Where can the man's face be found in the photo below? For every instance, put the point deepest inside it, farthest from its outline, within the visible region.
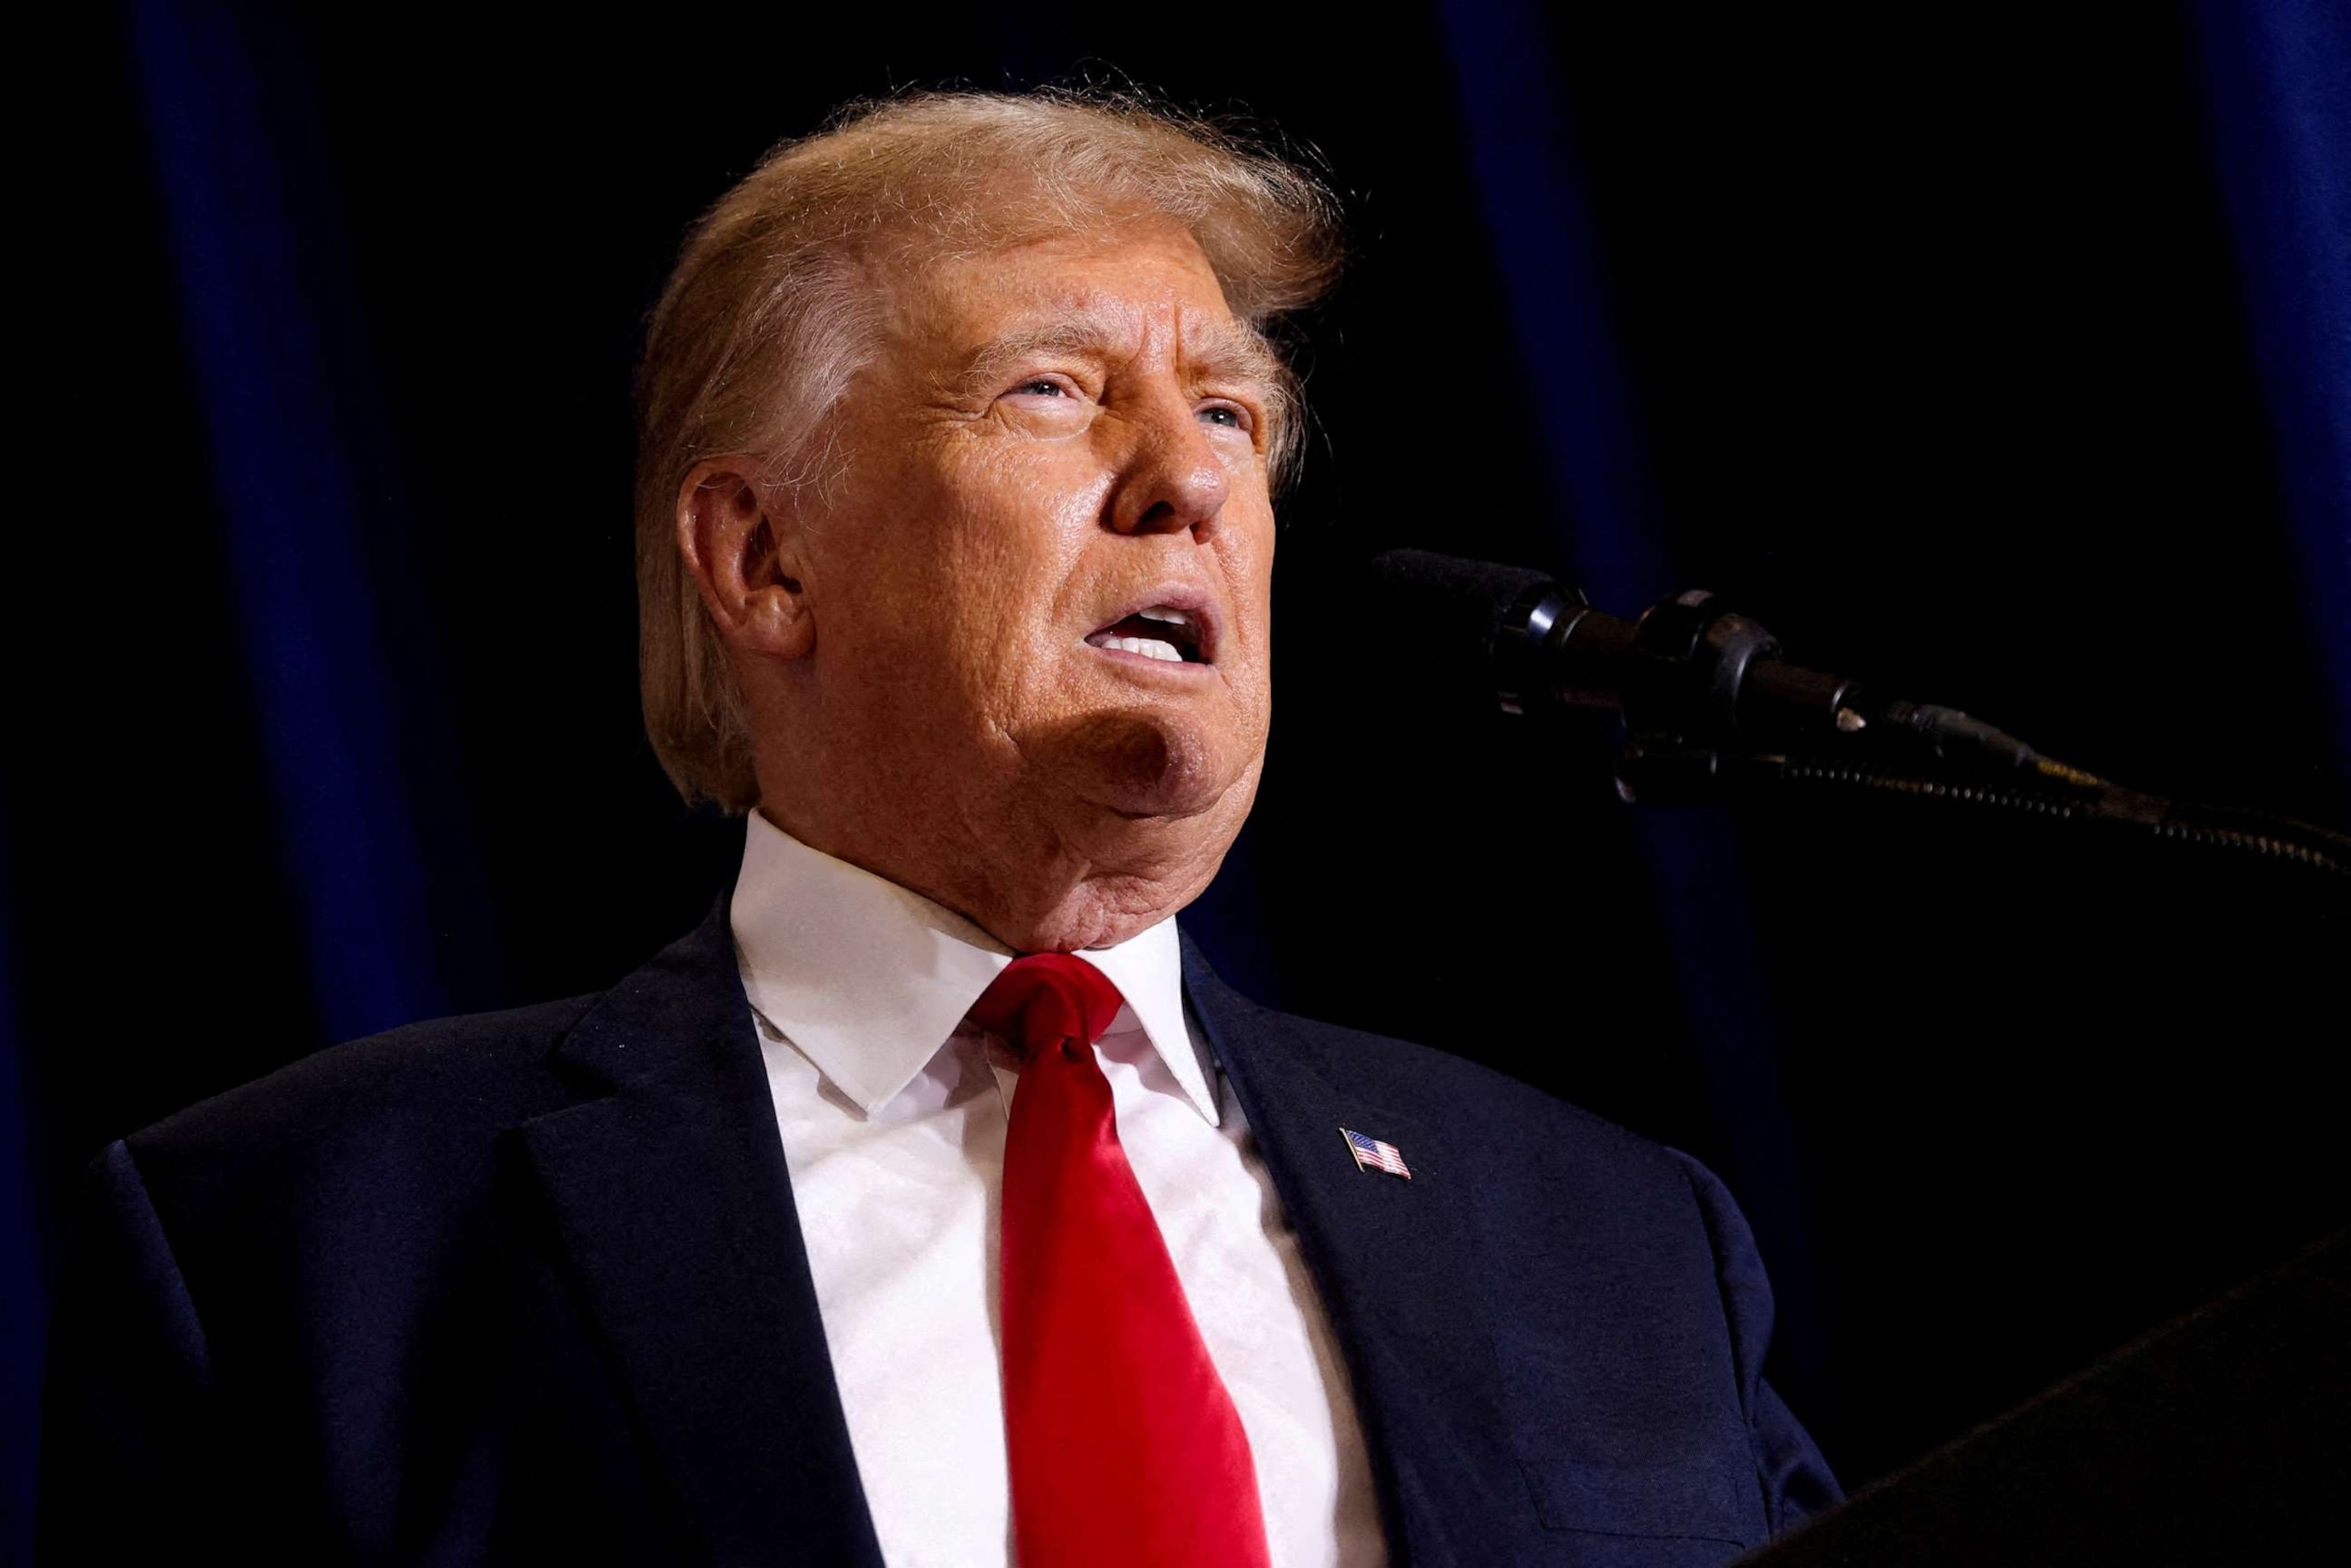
(1042, 583)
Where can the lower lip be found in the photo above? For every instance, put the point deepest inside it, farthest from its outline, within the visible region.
(1173, 669)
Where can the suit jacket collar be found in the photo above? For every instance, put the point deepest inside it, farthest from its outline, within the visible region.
(1391, 1258)
(670, 1197)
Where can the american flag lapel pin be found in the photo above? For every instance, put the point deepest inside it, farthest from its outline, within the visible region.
(1371, 1154)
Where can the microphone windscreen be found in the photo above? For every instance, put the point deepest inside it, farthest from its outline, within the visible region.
(1441, 614)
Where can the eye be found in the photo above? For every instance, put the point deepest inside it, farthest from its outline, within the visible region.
(1230, 416)
(1043, 386)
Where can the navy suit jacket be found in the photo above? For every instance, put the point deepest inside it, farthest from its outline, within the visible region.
(530, 1286)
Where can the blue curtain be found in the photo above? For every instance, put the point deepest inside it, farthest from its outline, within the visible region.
(2277, 93)
(373, 839)
(1547, 250)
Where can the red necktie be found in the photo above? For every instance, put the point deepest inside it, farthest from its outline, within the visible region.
(1124, 1446)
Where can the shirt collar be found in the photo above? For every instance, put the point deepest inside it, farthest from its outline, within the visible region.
(868, 979)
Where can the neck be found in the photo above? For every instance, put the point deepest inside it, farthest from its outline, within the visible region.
(1032, 889)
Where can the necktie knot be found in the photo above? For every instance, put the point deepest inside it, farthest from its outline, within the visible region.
(1044, 1000)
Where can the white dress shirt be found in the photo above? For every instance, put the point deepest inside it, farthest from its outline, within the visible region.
(892, 1110)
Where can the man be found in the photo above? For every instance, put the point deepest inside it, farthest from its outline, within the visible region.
(933, 1203)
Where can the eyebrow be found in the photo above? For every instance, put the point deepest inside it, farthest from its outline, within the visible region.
(1222, 348)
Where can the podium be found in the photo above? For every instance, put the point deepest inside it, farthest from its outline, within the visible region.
(2224, 1437)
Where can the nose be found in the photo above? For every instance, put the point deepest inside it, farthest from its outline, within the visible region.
(1173, 478)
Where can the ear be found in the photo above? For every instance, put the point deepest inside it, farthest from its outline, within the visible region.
(742, 558)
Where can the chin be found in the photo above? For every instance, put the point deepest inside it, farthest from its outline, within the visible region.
(1150, 764)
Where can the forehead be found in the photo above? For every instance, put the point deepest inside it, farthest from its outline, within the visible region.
(1124, 288)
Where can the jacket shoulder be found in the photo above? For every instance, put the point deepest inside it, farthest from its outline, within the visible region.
(476, 1069)
(1434, 1086)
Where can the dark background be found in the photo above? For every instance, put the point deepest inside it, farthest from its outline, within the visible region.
(1986, 351)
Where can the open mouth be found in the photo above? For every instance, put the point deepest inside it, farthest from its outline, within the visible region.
(1161, 632)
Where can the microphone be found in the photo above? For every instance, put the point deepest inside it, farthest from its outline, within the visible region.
(1690, 671)
(1712, 711)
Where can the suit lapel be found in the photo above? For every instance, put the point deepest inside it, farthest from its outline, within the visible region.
(671, 1199)
(1392, 1259)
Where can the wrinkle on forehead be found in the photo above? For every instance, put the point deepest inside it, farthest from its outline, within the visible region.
(1101, 289)
(1113, 295)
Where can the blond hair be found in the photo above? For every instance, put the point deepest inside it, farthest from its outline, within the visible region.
(769, 313)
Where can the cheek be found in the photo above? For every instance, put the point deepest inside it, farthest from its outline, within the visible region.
(1019, 520)
(1006, 532)
(1246, 549)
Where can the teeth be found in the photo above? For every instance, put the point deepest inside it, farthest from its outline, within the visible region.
(1165, 616)
(1149, 647)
